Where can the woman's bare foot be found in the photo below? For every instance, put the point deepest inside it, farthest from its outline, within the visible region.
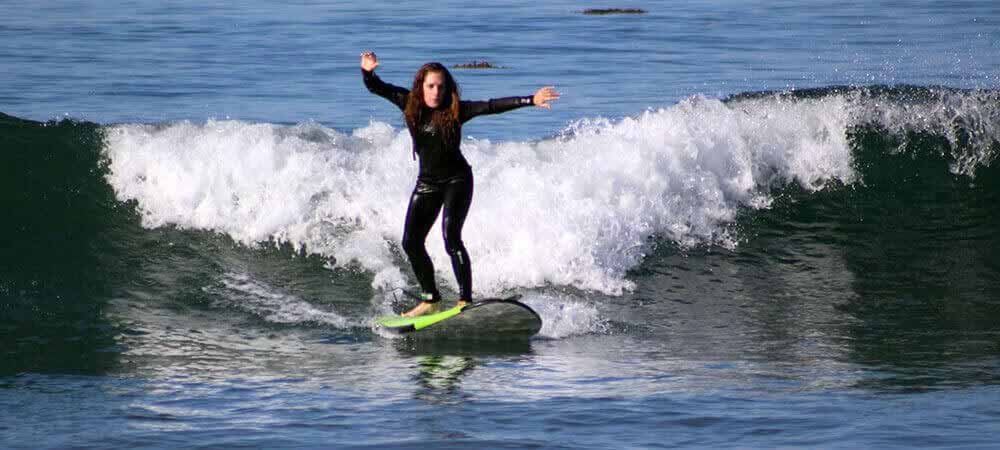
(423, 308)
(462, 303)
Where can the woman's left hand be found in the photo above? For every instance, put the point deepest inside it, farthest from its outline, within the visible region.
(545, 95)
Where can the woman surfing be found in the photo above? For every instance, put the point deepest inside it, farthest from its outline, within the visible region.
(434, 114)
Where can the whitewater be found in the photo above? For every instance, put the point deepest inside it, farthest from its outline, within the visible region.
(578, 209)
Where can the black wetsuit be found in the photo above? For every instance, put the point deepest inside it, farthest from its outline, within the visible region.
(445, 179)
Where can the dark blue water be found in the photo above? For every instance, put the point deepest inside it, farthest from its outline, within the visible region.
(744, 225)
(118, 62)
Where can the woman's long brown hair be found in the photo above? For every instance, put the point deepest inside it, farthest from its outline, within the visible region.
(445, 119)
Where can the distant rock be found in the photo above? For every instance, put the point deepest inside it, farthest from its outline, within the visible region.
(483, 64)
(602, 12)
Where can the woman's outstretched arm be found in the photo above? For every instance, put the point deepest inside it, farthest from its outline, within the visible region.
(375, 85)
(498, 105)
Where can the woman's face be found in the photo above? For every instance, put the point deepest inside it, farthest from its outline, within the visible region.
(433, 89)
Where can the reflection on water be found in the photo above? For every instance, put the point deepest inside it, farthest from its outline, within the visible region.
(441, 365)
(440, 377)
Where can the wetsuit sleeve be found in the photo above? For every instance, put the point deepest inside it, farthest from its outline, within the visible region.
(494, 106)
(394, 94)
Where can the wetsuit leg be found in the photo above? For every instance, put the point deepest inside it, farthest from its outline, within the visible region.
(425, 204)
(457, 199)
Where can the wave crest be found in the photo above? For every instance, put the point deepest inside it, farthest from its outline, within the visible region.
(578, 209)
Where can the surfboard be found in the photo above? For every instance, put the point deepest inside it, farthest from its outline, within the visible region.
(485, 319)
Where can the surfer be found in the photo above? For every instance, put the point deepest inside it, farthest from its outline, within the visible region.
(434, 114)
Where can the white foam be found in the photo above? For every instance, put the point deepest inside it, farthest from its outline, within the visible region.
(563, 316)
(573, 210)
(243, 291)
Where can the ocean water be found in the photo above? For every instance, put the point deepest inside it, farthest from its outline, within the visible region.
(744, 224)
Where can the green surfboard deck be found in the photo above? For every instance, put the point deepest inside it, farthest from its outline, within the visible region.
(418, 322)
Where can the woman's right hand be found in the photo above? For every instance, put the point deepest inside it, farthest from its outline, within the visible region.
(368, 61)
